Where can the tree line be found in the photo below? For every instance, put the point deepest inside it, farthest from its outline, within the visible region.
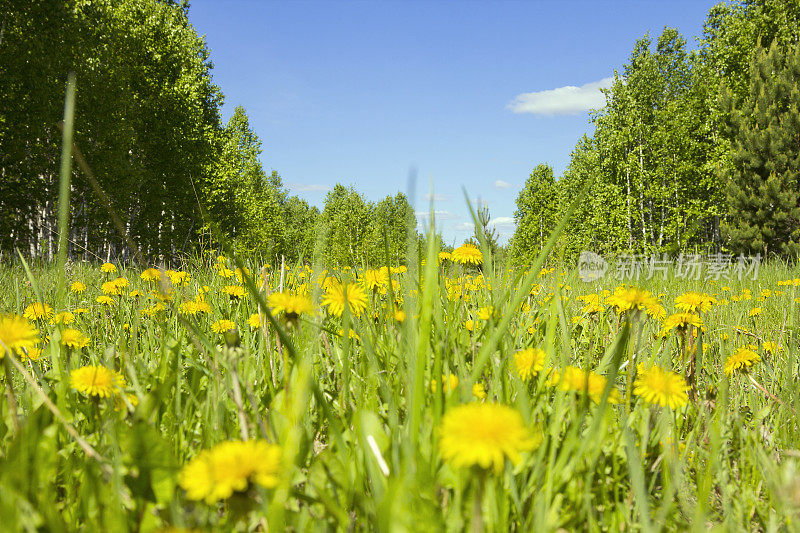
(694, 150)
(148, 121)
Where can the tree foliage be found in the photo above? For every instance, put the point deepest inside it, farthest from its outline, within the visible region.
(764, 125)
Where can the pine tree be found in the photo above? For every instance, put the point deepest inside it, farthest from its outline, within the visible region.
(764, 127)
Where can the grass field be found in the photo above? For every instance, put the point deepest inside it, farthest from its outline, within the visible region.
(422, 398)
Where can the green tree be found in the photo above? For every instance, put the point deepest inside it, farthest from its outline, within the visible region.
(300, 222)
(764, 189)
(147, 120)
(394, 217)
(535, 214)
(246, 203)
(344, 227)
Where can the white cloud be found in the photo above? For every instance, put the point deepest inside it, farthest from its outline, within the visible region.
(463, 226)
(500, 184)
(439, 216)
(436, 197)
(307, 187)
(568, 100)
(502, 222)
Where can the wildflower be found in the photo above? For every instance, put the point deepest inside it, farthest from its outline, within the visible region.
(72, 338)
(340, 295)
(469, 325)
(374, 279)
(400, 315)
(38, 310)
(694, 302)
(662, 387)
(450, 383)
(479, 391)
(80, 311)
(110, 288)
(467, 254)
(755, 311)
(254, 320)
(634, 299)
(742, 360)
(179, 279)
(151, 274)
(577, 380)
(229, 467)
(119, 402)
(444, 256)
(16, 334)
(224, 272)
(484, 435)
(33, 353)
(593, 304)
(151, 311)
(221, 326)
(135, 294)
(290, 304)
(529, 362)
(234, 292)
(65, 318)
(681, 322)
(96, 381)
(105, 300)
(485, 313)
(241, 273)
(77, 287)
(772, 348)
(108, 268)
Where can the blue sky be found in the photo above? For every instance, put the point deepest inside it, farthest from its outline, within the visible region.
(360, 93)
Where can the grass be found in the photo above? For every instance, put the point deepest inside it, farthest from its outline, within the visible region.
(357, 420)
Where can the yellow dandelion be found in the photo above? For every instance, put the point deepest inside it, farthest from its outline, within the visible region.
(64, 317)
(38, 310)
(479, 391)
(230, 467)
(111, 288)
(254, 320)
(772, 348)
(450, 383)
(374, 279)
(221, 326)
(72, 338)
(105, 300)
(695, 302)
(339, 295)
(529, 362)
(661, 387)
(400, 315)
(574, 379)
(755, 311)
(445, 256)
(108, 268)
(467, 254)
(484, 435)
(241, 273)
(631, 299)
(741, 360)
(96, 381)
(151, 274)
(121, 405)
(234, 292)
(77, 287)
(16, 334)
(292, 305)
(681, 322)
